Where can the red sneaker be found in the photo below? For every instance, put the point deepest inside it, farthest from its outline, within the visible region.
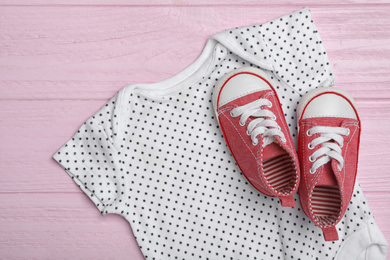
(256, 132)
(328, 145)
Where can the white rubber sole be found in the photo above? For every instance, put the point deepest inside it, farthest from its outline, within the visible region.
(305, 100)
(221, 82)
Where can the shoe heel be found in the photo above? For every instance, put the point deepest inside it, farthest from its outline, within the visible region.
(330, 233)
(287, 201)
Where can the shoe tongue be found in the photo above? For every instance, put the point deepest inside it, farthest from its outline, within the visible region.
(327, 177)
(273, 150)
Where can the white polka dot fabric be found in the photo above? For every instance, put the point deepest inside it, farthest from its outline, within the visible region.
(155, 155)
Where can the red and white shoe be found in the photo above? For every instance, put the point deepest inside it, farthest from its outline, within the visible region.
(328, 145)
(256, 132)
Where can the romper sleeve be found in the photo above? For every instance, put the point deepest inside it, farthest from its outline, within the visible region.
(289, 46)
(297, 51)
(91, 159)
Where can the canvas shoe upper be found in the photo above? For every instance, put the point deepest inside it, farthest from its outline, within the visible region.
(256, 132)
(328, 145)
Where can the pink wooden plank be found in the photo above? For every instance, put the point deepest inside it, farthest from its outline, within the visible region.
(152, 3)
(68, 226)
(56, 89)
(83, 51)
(61, 226)
(98, 48)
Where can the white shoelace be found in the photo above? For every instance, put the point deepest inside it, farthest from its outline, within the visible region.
(329, 149)
(268, 128)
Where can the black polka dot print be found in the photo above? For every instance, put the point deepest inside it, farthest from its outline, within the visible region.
(161, 162)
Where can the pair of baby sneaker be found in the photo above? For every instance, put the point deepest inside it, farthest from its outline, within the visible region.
(324, 170)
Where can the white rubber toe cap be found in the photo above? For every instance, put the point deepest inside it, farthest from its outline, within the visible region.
(239, 83)
(327, 102)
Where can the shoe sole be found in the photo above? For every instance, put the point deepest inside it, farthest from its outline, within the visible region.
(307, 98)
(225, 78)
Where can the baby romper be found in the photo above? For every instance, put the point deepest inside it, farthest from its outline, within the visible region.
(155, 155)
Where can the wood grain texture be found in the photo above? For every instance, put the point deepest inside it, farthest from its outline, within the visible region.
(151, 3)
(61, 225)
(60, 61)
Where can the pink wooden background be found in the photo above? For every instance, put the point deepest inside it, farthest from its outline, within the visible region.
(60, 61)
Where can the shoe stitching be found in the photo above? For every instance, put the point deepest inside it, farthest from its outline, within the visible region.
(314, 181)
(239, 96)
(290, 151)
(260, 169)
(285, 127)
(346, 148)
(316, 176)
(221, 112)
(304, 126)
(343, 177)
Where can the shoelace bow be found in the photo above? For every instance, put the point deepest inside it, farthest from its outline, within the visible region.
(268, 128)
(332, 142)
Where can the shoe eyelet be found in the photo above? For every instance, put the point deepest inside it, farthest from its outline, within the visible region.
(308, 133)
(310, 146)
(270, 104)
(311, 159)
(348, 132)
(231, 113)
(273, 117)
(247, 133)
(311, 171)
(255, 142)
(241, 124)
(284, 140)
